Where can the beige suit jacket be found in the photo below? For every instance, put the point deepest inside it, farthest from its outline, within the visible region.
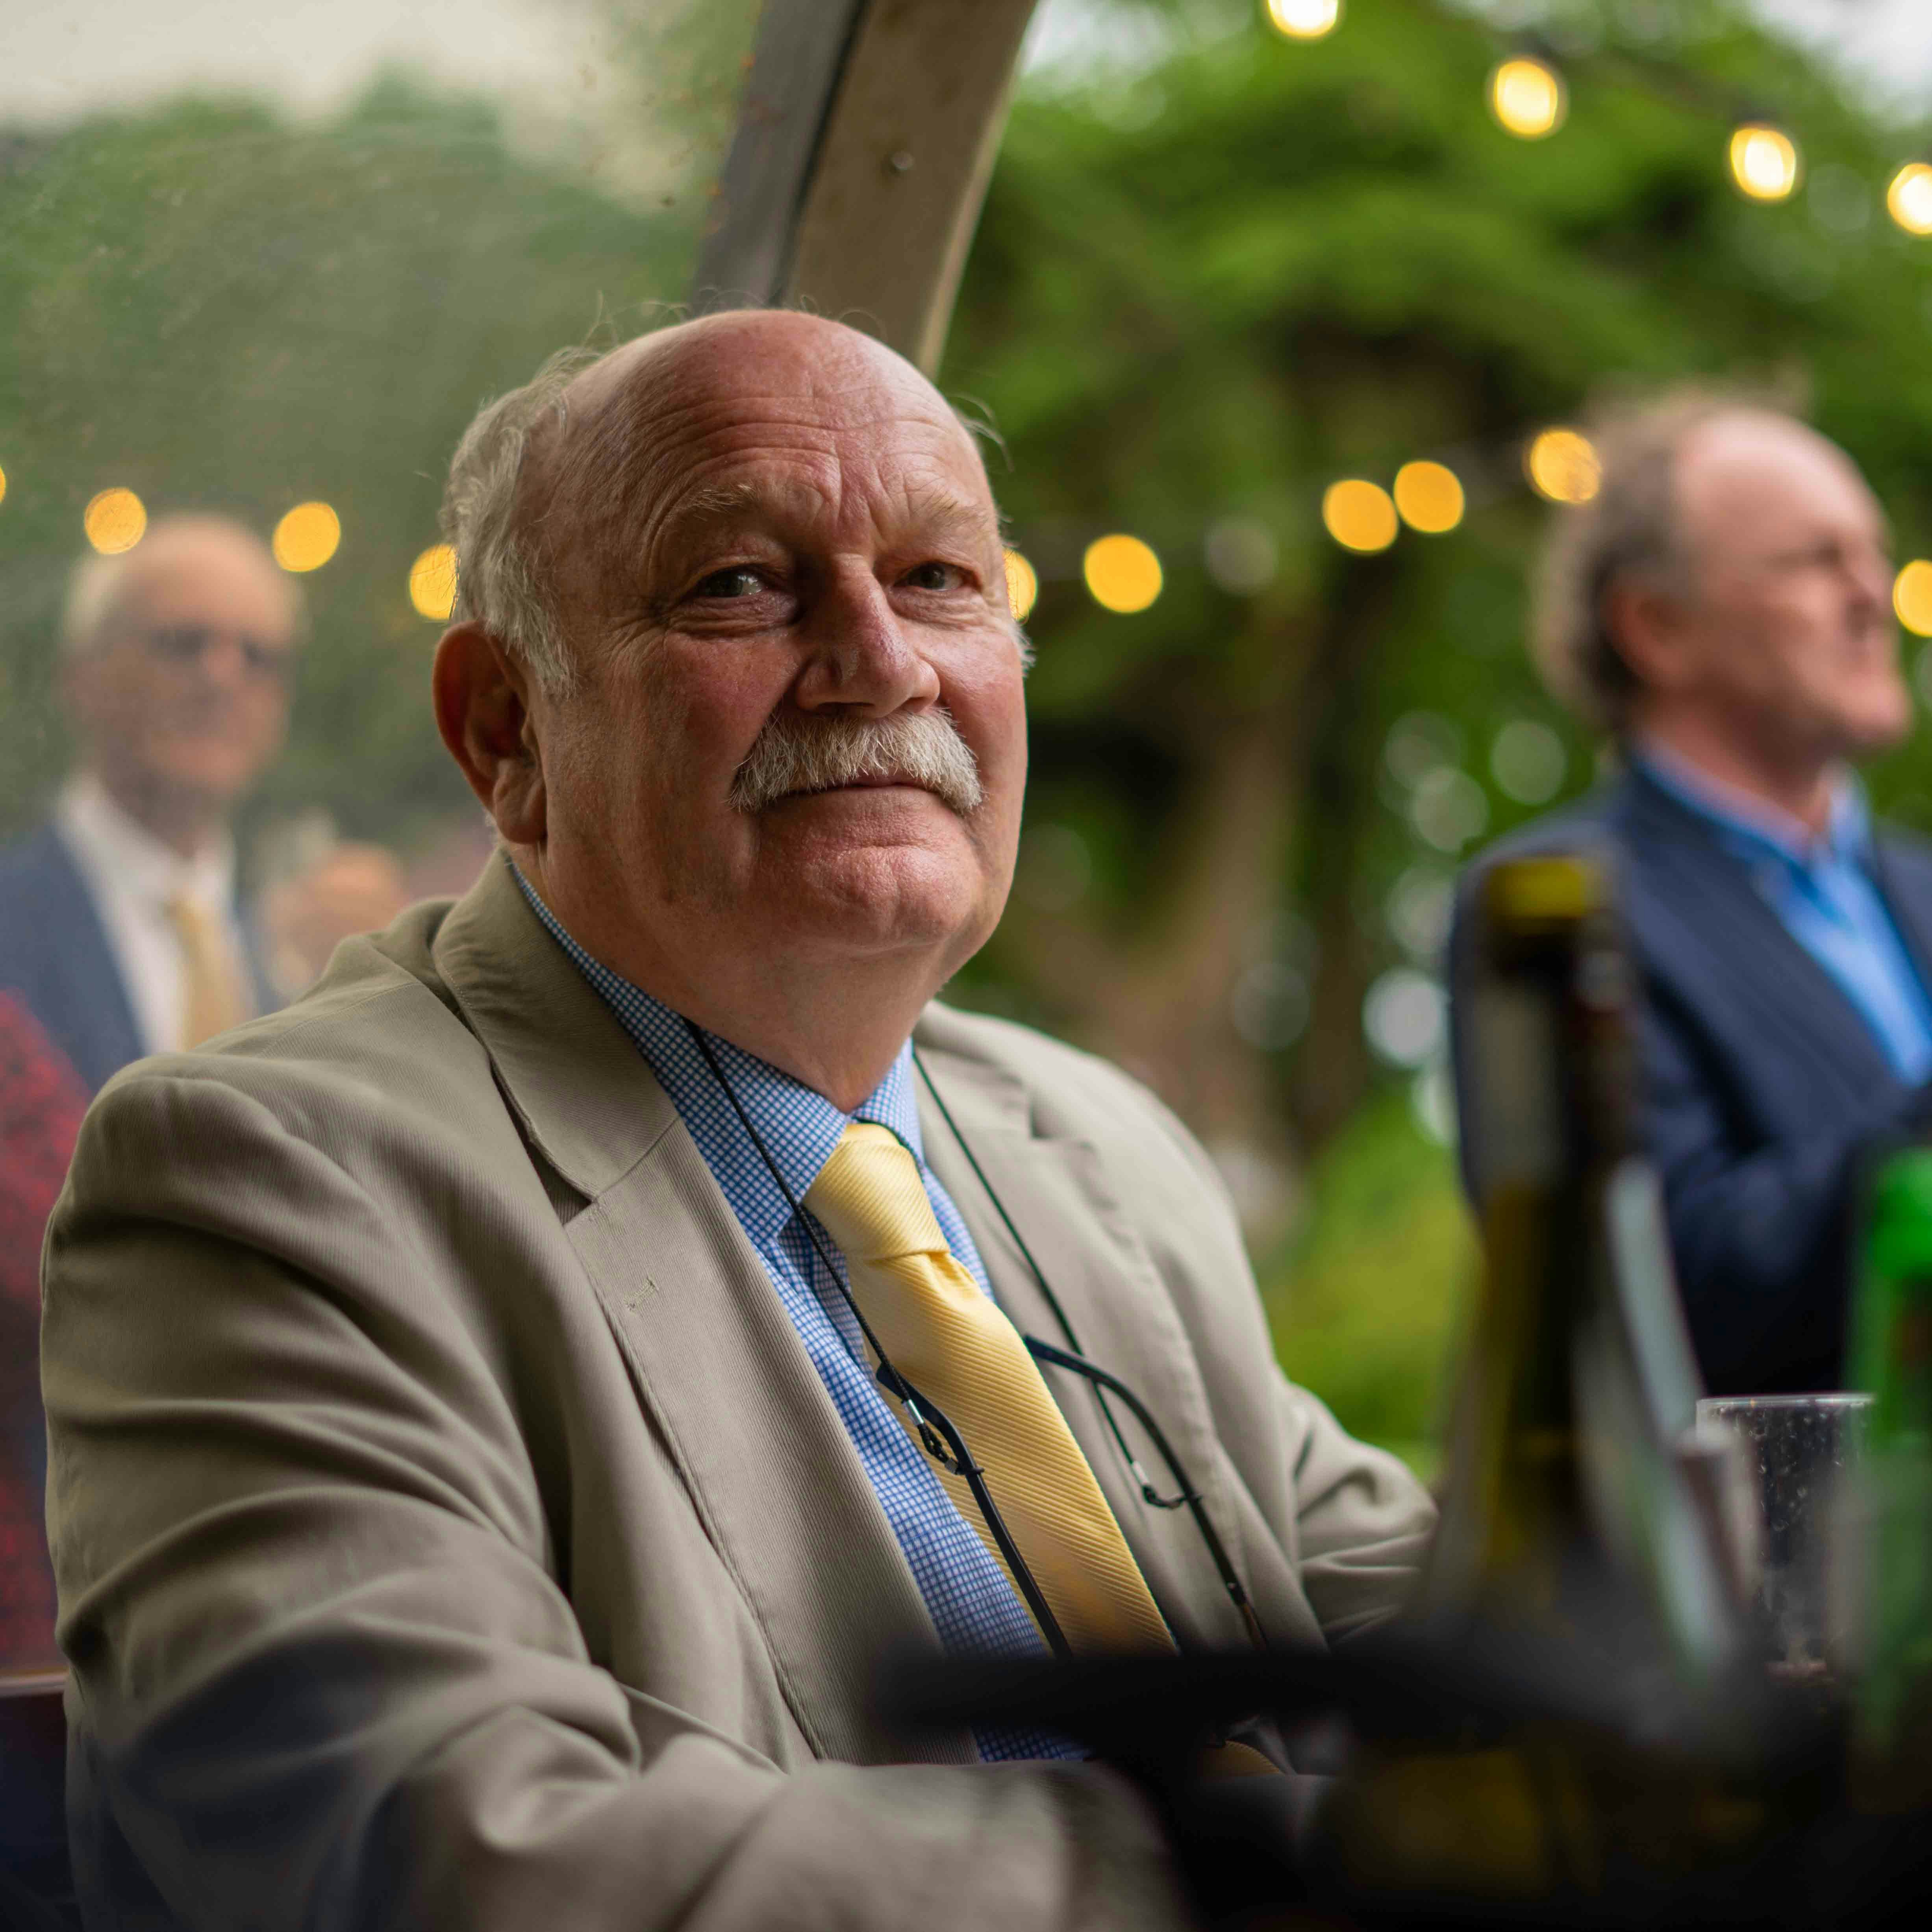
(452, 1531)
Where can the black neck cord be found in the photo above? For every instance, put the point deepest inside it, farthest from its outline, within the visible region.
(1149, 1493)
(1101, 1382)
(925, 1415)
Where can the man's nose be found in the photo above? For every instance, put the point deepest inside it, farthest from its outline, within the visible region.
(222, 660)
(861, 657)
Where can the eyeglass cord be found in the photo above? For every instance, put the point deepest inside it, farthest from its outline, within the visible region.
(925, 1415)
(930, 1422)
(1102, 1382)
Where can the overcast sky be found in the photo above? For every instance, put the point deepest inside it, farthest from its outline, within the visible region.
(61, 58)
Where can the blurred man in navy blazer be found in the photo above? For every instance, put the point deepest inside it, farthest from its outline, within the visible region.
(1722, 609)
(120, 932)
(119, 929)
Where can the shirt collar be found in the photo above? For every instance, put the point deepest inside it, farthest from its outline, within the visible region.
(1757, 830)
(127, 858)
(799, 1127)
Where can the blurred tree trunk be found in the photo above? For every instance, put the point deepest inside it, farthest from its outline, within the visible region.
(1331, 1072)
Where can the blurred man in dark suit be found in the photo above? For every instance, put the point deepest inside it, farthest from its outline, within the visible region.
(1722, 608)
(118, 924)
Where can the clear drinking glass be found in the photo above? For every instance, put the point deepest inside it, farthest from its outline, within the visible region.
(1797, 1452)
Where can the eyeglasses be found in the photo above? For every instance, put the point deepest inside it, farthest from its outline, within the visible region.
(942, 1442)
(187, 643)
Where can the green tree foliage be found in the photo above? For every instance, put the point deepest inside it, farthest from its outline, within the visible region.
(222, 311)
(1212, 288)
(1203, 289)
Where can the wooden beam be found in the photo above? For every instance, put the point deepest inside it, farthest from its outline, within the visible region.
(864, 146)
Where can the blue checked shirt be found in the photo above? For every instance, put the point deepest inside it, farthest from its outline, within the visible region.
(974, 1608)
(1826, 895)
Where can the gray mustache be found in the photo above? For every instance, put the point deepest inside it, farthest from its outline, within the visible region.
(799, 752)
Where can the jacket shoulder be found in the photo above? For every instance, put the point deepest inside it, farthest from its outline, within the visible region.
(1592, 820)
(371, 1039)
(1073, 1094)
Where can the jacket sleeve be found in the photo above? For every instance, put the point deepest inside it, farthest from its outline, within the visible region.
(1760, 1233)
(324, 1675)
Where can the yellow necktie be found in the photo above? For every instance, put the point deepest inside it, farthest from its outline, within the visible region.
(212, 1000)
(954, 1345)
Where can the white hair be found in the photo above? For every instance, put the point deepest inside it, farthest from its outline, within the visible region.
(93, 593)
(499, 585)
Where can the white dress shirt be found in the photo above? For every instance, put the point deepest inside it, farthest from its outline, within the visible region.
(132, 877)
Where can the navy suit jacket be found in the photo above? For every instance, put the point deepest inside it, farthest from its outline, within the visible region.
(55, 955)
(1764, 1088)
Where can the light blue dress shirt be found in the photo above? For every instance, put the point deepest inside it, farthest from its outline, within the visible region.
(974, 1608)
(1826, 896)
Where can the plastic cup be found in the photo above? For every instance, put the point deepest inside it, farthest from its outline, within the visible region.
(1797, 1452)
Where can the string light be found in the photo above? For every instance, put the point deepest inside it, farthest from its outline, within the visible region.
(1912, 597)
(1304, 20)
(1909, 199)
(1122, 572)
(1430, 497)
(1022, 585)
(1764, 162)
(1359, 515)
(432, 583)
(114, 520)
(1562, 465)
(1527, 97)
(306, 537)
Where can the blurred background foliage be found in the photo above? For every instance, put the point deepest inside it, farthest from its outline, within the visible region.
(1218, 269)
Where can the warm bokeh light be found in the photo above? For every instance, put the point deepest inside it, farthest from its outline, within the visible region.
(1430, 497)
(1527, 97)
(3, 483)
(1022, 585)
(1359, 515)
(1304, 20)
(1912, 597)
(306, 537)
(1909, 198)
(432, 583)
(114, 520)
(1122, 572)
(1561, 465)
(1764, 162)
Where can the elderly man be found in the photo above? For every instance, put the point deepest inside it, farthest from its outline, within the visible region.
(1723, 609)
(505, 1406)
(120, 933)
(118, 927)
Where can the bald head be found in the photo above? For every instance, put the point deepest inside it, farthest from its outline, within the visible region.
(205, 551)
(178, 654)
(1768, 652)
(554, 480)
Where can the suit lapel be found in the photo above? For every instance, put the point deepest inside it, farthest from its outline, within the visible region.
(1707, 894)
(1901, 882)
(718, 1367)
(96, 1028)
(1062, 1200)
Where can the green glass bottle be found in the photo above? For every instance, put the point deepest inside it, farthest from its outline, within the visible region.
(1578, 1383)
(1891, 1355)
(1563, 1512)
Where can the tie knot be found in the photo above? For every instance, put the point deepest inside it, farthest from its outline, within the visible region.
(871, 1200)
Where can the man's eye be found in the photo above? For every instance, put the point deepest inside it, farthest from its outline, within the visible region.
(740, 580)
(935, 577)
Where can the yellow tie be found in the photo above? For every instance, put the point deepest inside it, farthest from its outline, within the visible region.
(212, 1000)
(953, 1344)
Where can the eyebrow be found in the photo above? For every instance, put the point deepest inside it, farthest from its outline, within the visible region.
(938, 512)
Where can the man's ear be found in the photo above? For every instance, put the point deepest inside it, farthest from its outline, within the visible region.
(1646, 623)
(482, 696)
